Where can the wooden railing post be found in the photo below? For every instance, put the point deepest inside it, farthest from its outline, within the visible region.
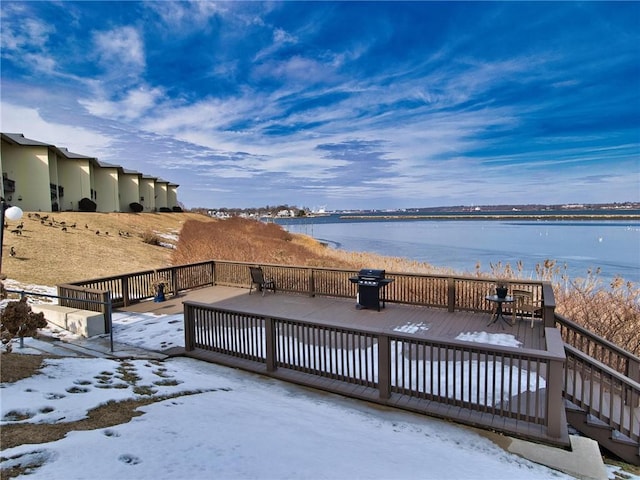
(312, 285)
(213, 272)
(384, 366)
(270, 340)
(555, 376)
(549, 305)
(633, 372)
(175, 288)
(451, 294)
(125, 290)
(189, 329)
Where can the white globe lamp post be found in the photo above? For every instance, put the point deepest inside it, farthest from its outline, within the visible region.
(13, 214)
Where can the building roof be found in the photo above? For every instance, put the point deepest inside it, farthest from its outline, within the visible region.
(107, 165)
(73, 156)
(20, 139)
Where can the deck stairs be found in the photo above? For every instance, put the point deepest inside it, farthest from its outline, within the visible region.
(603, 404)
(607, 437)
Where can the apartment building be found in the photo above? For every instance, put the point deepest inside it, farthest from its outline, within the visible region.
(38, 176)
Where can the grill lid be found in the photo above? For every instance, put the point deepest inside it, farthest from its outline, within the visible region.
(371, 273)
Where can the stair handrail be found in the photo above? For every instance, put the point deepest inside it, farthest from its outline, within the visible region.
(610, 354)
(629, 391)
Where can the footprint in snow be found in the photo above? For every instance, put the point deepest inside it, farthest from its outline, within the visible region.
(129, 459)
(54, 396)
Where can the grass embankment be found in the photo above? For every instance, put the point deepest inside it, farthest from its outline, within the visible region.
(64, 247)
(238, 239)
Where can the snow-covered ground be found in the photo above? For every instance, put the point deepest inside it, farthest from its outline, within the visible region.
(224, 423)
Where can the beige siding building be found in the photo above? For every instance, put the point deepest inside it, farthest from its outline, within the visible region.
(172, 194)
(41, 177)
(25, 174)
(161, 193)
(74, 174)
(148, 193)
(104, 178)
(129, 188)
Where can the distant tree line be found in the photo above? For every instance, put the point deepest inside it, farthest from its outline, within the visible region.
(266, 211)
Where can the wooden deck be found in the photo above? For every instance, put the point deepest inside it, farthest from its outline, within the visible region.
(423, 322)
(416, 321)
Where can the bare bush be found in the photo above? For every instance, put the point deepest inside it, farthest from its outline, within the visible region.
(611, 311)
(149, 237)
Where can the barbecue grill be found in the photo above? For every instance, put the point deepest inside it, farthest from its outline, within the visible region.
(370, 282)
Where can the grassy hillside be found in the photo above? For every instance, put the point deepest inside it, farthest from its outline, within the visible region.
(68, 246)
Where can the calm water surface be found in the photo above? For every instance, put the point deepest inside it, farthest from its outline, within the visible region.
(612, 246)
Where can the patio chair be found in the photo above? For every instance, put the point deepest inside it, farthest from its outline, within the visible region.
(263, 284)
(524, 303)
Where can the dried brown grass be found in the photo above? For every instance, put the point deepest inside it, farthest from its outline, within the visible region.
(100, 244)
(611, 311)
(238, 239)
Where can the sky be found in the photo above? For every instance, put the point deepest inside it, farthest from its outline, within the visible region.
(235, 425)
(337, 105)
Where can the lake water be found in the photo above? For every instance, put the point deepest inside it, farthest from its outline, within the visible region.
(611, 245)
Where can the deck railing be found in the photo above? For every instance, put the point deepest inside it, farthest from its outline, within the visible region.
(482, 385)
(599, 348)
(455, 293)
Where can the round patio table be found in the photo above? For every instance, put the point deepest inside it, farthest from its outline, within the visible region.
(498, 312)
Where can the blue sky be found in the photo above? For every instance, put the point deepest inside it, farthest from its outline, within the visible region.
(343, 105)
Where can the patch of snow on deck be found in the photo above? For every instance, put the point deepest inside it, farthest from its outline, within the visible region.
(412, 327)
(504, 339)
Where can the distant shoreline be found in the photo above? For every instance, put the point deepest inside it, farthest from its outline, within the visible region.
(496, 216)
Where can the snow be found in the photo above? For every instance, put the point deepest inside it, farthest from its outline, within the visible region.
(504, 339)
(218, 422)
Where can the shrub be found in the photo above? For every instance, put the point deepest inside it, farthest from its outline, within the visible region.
(136, 207)
(19, 321)
(149, 237)
(612, 312)
(164, 209)
(87, 205)
(177, 209)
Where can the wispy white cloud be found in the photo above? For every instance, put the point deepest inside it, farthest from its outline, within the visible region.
(18, 119)
(120, 50)
(186, 16)
(24, 35)
(134, 104)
